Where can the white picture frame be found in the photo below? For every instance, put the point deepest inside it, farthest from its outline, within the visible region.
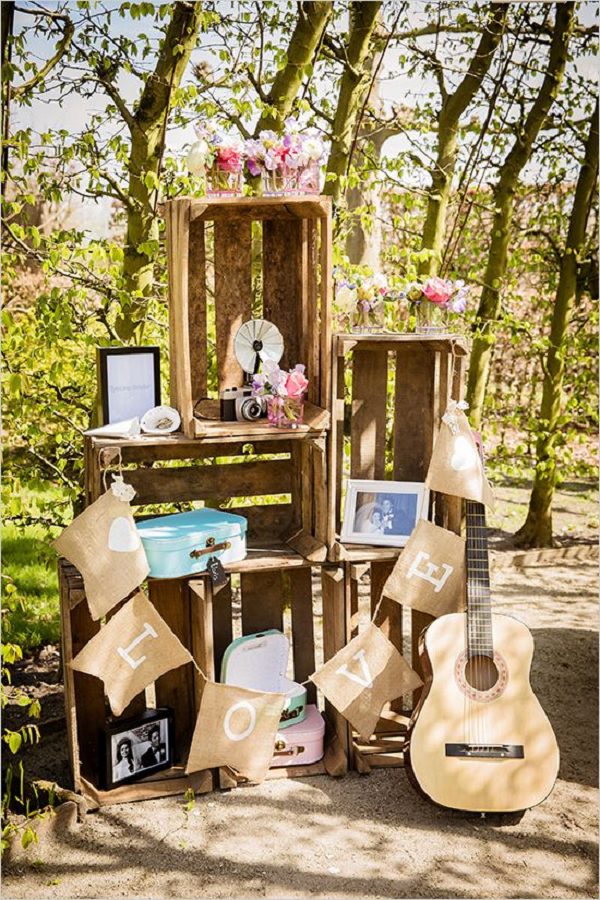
(382, 513)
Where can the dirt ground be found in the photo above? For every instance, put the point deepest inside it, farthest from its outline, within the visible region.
(361, 836)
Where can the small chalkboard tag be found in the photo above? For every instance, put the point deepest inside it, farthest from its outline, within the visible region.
(216, 571)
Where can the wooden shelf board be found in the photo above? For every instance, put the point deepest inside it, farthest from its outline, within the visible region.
(163, 784)
(390, 340)
(309, 206)
(316, 422)
(357, 553)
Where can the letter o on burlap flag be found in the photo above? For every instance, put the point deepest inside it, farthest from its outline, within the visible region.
(361, 678)
(236, 727)
(134, 649)
(103, 544)
(429, 573)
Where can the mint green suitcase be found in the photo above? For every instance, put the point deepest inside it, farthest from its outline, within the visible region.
(259, 661)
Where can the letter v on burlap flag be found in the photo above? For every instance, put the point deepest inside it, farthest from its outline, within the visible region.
(361, 678)
(456, 466)
(236, 727)
(429, 573)
(131, 651)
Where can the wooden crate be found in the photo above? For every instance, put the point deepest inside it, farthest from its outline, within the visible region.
(233, 260)
(245, 470)
(387, 442)
(85, 703)
(275, 591)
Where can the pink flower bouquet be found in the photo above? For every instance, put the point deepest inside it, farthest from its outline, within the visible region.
(219, 157)
(434, 299)
(284, 393)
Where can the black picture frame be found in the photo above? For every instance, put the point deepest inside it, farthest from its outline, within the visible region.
(121, 767)
(136, 399)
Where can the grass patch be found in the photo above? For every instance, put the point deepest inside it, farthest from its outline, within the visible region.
(30, 610)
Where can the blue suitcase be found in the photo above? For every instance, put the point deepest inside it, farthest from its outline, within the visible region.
(182, 544)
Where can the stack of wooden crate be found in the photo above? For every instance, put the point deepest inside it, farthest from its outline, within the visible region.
(230, 261)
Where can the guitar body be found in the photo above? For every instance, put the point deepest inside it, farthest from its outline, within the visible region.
(470, 708)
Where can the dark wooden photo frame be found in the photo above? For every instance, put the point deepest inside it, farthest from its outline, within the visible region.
(148, 394)
(131, 753)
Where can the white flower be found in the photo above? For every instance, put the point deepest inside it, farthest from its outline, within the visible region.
(379, 280)
(197, 158)
(345, 297)
(313, 147)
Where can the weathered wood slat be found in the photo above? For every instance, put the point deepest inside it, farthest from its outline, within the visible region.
(233, 294)
(369, 399)
(299, 590)
(262, 601)
(284, 284)
(168, 783)
(174, 485)
(176, 688)
(197, 311)
(415, 406)
(335, 637)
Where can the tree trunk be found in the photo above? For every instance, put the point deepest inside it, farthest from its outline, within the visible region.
(301, 52)
(537, 528)
(353, 84)
(453, 106)
(527, 132)
(148, 126)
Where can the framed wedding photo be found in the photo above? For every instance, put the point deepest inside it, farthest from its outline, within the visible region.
(382, 513)
(129, 379)
(135, 748)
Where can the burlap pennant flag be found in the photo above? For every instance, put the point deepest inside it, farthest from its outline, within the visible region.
(429, 574)
(131, 651)
(361, 678)
(236, 727)
(104, 545)
(456, 466)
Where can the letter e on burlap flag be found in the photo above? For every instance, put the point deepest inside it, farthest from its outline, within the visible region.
(131, 651)
(456, 466)
(235, 727)
(429, 573)
(361, 678)
(103, 544)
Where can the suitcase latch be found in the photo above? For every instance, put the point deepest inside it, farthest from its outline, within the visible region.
(293, 751)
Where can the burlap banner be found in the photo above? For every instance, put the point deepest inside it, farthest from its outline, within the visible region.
(361, 678)
(105, 547)
(456, 466)
(429, 574)
(131, 651)
(236, 727)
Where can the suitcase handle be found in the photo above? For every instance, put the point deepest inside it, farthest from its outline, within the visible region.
(294, 751)
(211, 547)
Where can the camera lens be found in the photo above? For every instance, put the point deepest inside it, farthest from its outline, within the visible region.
(251, 409)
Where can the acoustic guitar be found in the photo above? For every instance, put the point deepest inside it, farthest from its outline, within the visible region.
(479, 739)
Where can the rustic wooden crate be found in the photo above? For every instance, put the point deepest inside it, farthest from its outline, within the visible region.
(273, 590)
(245, 469)
(233, 260)
(85, 703)
(387, 443)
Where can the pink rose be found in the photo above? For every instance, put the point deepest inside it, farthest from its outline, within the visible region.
(296, 383)
(229, 159)
(437, 290)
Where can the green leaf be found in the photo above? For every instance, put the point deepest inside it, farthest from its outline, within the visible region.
(14, 741)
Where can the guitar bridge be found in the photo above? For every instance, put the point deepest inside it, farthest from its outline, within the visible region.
(486, 751)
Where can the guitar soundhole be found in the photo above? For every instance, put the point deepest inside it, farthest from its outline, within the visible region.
(481, 672)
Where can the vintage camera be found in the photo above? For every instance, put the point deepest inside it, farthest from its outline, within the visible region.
(238, 405)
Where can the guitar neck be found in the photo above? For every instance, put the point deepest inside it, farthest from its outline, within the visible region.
(479, 612)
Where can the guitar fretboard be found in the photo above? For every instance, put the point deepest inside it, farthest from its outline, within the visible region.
(479, 612)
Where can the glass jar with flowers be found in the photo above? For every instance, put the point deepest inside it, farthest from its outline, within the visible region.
(287, 163)
(219, 158)
(283, 392)
(359, 302)
(437, 303)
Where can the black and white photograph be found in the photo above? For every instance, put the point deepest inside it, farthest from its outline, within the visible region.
(382, 512)
(138, 747)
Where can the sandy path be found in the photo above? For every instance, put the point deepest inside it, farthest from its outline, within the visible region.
(367, 836)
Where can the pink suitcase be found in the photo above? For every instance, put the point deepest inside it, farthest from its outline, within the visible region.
(301, 744)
